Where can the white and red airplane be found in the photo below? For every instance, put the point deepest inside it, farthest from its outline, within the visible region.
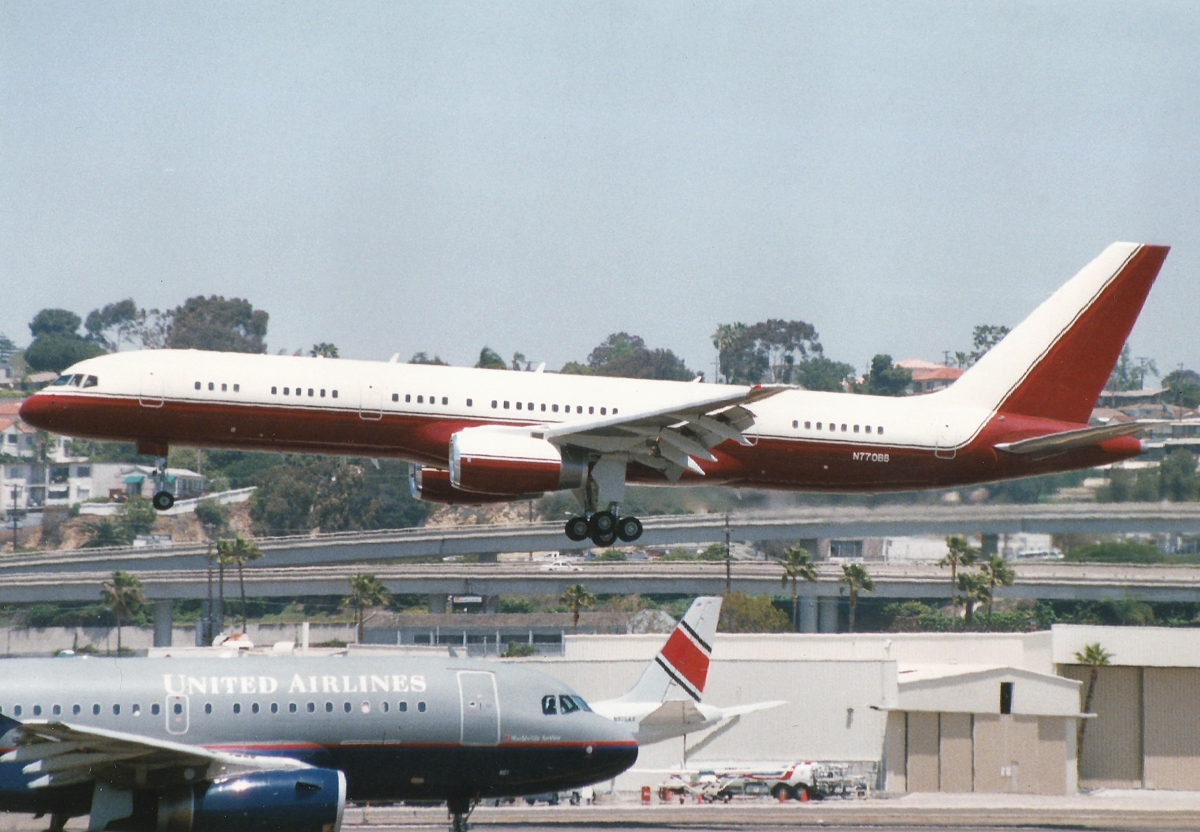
(478, 436)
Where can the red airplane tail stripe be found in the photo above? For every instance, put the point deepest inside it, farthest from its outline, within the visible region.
(1067, 379)
(687, 659)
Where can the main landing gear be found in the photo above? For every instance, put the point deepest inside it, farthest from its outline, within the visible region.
(459, 810)
(162, 499)
(604, 527)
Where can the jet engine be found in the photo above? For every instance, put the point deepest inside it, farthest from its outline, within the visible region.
(309, 800)
(499, 460)
(433, 486)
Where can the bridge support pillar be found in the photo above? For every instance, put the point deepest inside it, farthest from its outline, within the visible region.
(828, 614)
(163, 623)
(437, 602)
(808, 615)
(989, 544)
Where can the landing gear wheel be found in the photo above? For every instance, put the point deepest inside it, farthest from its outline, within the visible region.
(163, 500)
(604, 538)
(781, 792)
(629, 529)
(602, 522)
(577, 529)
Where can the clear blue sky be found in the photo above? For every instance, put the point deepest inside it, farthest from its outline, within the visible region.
(395, 177)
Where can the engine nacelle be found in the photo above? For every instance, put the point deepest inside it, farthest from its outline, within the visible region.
(497, 460)
(309, 800)
(433, 486)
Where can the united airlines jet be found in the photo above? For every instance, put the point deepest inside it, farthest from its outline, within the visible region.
(262, 744)
(476, 436)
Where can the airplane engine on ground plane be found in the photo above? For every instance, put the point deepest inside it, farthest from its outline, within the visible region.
(433, 486)
(495, 460)
(310, 800)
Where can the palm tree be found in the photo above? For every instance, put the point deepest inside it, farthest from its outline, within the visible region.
(797, 563)
(1094, 657)
(239, 552)
(960, 554)
(123, 594)
(974, 586)
(998, 573)
(366, 591)
(855, 580)
(577, 597)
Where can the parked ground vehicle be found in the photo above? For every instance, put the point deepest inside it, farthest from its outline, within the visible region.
(799, 781)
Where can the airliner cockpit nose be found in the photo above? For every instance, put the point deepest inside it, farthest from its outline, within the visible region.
(39, 410)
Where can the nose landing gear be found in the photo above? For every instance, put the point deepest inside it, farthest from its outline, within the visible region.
(162, 499)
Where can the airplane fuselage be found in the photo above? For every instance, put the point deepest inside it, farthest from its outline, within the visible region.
(800, 440)
(399, 728)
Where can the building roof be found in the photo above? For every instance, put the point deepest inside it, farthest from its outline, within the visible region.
(918, 364)
(938, 373)
(975, 688)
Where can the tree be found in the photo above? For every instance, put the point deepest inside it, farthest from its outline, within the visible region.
(855, 580)
(1130, 374)
(886, 379)
(576, 598)
(959, 553)
(797, 563)
(489, 359)
(323, 349)
(1178, 480)
(113, 324)
(984, 337)
(1093, 657)
(217, 324)
(771, 350)
(998, 572)
(123, 595)
(238, 552)
(821, 373)
(7, 347)
(627, 356)
(742, 613)
(56, 341)
(423, 358)
(366, 591)
(105, 533)
(974, 588)
(1183, 388)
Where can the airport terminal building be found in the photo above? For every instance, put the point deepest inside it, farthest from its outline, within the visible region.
(932, 712)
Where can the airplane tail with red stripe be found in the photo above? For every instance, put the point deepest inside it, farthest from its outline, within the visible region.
(680, 669)
(1055, 363)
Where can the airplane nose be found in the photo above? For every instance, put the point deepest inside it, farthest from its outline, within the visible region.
(39, 410)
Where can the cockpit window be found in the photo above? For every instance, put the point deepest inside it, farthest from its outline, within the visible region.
(91, 381)
(549, 704)
(60, 381)
(582, 705)
(568, 704)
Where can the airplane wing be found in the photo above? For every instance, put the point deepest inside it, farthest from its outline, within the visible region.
(1071, 439)
(61, 754)
(669, 439)
(739, 710)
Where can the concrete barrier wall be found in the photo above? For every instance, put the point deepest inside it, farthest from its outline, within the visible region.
(46, 641)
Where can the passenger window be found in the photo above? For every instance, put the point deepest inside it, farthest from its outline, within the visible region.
(469, 402)
(554, 407)
(254, 708)
(116, 710)
(868, 428)
(274, 390)
(208, 707)
(543, 408)
(155, 708)
(420, 707)
(879, 430)
(808, 425)
(76, 709)
(395, 397)
(568, 704)
(614, 411)
(843, 428)
(37, 710)
(292, 708)
(795, 423)
(579, 408)
(274, 707)
(856, 428)
(210, 385)
(445, 400)
(591, 410)
(549, 704)
(178, 709)
(402, 707)
(518, 405)
(420, 400)
(312, 707)
(16, 710)
(335, 394)
(328, 707)
(832, 426)
(237, 388)
(56, 710)
(603, 411)
(95, 710)
(530, 405)
(506, 405)
(384, 706)
(493, 404)
(137, 709)
(346, 707)
(287, 391)
(365, 707)
(225, 389)
(299, 391)
(818, 425)
(310, 392)
(198, 385)
(237, 707)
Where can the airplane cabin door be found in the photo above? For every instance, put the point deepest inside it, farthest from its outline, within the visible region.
(370, 402)
(480, 704)
(945, 448)
(152, 389)
(177, 715)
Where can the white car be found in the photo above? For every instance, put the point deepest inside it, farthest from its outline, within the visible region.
(560, 565)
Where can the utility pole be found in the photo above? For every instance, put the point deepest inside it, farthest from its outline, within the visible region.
(728, 558)
(15, 516)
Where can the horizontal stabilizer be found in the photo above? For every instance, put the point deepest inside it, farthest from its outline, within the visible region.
(1069, 440)
(742, 710)
(675, 712)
